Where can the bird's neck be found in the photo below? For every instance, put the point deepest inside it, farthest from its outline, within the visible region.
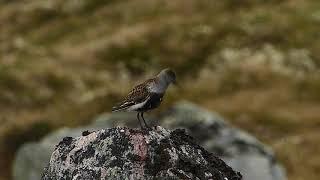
(159, 86)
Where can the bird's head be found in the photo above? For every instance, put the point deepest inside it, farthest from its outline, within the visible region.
(168, 75)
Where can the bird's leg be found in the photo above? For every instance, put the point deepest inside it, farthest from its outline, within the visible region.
(148, 127)
(140, 121)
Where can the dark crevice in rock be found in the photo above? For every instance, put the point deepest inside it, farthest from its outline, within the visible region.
(86, 133)
(133, 157)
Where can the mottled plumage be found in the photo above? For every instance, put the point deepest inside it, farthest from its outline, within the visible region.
(137, 95)
(147, 95)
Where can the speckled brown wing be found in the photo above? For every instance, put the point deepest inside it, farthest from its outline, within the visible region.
(137, 95)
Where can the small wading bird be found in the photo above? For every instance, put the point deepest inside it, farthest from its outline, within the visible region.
(147, 95)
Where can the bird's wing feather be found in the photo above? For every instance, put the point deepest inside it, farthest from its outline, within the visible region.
(137, 95)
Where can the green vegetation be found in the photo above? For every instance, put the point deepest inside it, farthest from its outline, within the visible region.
(257, 62)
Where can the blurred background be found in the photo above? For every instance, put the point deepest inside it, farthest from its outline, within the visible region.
(256, 62)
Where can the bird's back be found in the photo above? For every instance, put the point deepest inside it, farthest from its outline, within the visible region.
(137, 95)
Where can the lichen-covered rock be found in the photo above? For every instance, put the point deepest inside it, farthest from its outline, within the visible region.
(238, 149)
(123, 153)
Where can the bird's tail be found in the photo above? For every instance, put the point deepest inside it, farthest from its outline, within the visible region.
(120, 107)
(117, 108)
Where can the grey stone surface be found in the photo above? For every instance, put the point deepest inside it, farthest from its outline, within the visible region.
(240, 150)
(123, 153)
(237, 148)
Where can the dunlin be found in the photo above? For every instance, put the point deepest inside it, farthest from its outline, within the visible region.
(147, 95)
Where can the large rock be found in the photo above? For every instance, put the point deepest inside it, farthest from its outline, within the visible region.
(123, 153)
(237, 148)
